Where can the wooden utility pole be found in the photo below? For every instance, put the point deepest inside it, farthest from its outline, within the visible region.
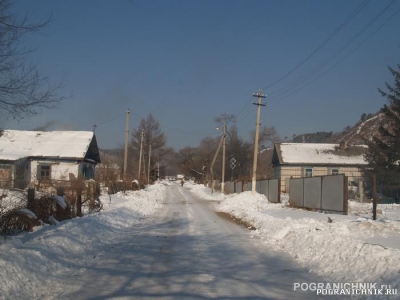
(126, 143)
(144, 168)
(158, 170)
(140, 155)
(212, 165)
(223, 158)
(148, 169)
(259, 95)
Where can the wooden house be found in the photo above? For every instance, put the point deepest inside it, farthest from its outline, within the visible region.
(30, 157)
(295, 160)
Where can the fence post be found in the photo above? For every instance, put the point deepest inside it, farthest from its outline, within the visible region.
(361, 190)
(79, 202)
(91, 195)
(346, 196)
(31, 198)
(279, 190)
(60, 191)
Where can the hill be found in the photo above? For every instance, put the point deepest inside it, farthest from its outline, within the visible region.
(366, 128)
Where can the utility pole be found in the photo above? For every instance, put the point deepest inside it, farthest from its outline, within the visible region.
(140, 155)
(212, 165)
(158, 170)
(148, 169)
(144, 168)
(126, 143)
(259, 95)
(223, 158)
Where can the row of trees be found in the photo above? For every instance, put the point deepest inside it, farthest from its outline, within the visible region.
(196, 161)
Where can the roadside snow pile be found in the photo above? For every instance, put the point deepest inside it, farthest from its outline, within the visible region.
(350, 249)
(32, 262)
(203, 192)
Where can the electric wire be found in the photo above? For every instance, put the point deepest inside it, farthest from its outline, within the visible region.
(296, 83)
(338, 62)
(330, 37)
(109, 120)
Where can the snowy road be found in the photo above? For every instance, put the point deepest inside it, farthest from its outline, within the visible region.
(185, 251)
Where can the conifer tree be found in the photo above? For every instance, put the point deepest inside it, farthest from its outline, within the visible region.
(384, 151)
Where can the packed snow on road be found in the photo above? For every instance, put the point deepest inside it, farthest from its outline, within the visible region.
(168, 242)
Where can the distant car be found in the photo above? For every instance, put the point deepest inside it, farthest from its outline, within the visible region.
(180, 177)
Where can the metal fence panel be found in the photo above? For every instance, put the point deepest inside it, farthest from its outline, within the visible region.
(264, 188)
(312, 192)
(239, 187)
(332, 193)
(229, 187)
(296, 196)
(258, 186)
(273, 191)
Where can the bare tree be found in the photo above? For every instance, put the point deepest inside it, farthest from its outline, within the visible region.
(267, 137)
(187, 160)
(266, 140)
(153, 136)
(23, 91)
(225, 119)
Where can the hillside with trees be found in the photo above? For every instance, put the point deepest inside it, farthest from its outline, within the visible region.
(364, 130)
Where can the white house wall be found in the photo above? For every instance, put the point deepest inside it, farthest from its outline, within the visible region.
(58, 171)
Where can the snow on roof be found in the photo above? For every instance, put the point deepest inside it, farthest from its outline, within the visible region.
(307, 153)
(16, 144)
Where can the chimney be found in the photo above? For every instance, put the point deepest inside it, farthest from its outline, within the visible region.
(342, 145)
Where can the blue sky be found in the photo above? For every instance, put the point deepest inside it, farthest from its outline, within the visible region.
(186, 62)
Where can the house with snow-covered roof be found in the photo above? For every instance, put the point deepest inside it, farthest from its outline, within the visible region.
(30, 157)
(295, 160)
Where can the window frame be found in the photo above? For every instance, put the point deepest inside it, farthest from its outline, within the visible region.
(305, 169)
(336, 169)
(44, 171)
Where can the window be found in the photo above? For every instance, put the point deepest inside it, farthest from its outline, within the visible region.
(308, 172)
(44, 172)
(88, 172)
(334, 171)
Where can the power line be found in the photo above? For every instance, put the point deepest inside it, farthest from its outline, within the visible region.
(330, 37)
(108, 120)
(354, 49)
(296, 83)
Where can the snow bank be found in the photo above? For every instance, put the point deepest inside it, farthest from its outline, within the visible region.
(203, 192)
(350, 249)
(31, 262)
